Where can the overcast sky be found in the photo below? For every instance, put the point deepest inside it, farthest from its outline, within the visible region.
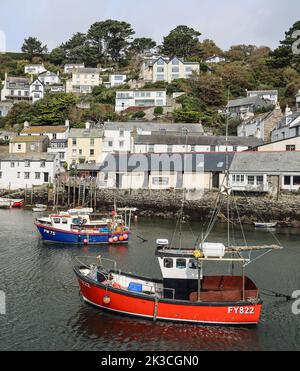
(228, 22)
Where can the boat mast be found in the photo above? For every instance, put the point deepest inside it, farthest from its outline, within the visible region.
(227, 174)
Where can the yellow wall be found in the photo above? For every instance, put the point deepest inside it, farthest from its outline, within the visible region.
(84, 144)
(281, 146)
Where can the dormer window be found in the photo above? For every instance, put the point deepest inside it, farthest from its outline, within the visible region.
(175, 62)
(160, 62)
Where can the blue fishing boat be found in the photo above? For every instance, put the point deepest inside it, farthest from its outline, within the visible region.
(73, 229)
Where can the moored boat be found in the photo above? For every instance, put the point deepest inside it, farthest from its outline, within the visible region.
(13, 203)
(266, 225)
(183, 294)
(73, 229)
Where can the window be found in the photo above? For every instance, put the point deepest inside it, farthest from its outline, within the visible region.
(159, 94)
(43, 163)
(74, 142)
(74, 152)
(160, 69)
(188, 69)
(54, 136)
(110, 144)
(106, 177)
(170, 148)
(151, 148)
(18, 175)
(121, 144)
(287, 180)
(212, 148)
(80, 152)
(260, 180)
(0, 174)
(175, 76)
(291, 148)
(175, 62)
(27, 163)
(159, 102)
(26, 175)
(193, 264)
(160, 62)
(12, 164)
(19, 147)
(160, 77)
(296, 180)
(180, 263)
(251, 180)
(122, 132)
(92, 152)
(175, 69)
(37, 176)
(92, 142)
(168, 263)
(193, 148)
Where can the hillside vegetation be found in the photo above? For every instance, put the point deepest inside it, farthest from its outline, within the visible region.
(111, 44)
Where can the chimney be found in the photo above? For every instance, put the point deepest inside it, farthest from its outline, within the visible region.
(288, 111)
(67, 123)
(87, 125)
(6, 75)
(26, 124)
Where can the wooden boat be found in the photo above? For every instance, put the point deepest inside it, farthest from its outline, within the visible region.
(265, 225)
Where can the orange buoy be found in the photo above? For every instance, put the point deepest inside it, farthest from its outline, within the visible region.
(121, 238)
(106, 300)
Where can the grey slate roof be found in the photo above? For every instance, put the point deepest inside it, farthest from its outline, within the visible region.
(190, 162)
(86, 70)
(84, 133)
(200, 140)
(28, 156)
(153, 126)
(246, 102)
(293, 117)
(266, 162)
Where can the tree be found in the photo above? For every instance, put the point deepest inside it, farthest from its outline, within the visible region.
(182, 42)
(209, 49)
(209, 89)
(53, 109)
(111, 38)
(58, 56)
(19, 113)
(33, 47)
(78, 39)
(240, 52)
(285, 55)
(186, 116)
(141, 45)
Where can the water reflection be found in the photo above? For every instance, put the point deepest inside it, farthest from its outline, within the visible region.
(131, 334)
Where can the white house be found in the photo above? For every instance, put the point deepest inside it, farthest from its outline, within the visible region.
(260, 126)
(34, 69)
(166, 69)
(192, 143)
(140, 98)
(119, 136)
(265, 172)
(270, 96)
(287, 127)
(16, 89)
(27, 170)
(68, 69)
(194, 172)
(215, 59)
(298, 101)
(49, 78)
(116, 80)
(37, 90)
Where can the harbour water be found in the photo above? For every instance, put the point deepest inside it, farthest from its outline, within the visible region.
(44, 310)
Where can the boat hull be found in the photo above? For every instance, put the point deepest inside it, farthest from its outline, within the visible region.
(54, 235)
(142, 306)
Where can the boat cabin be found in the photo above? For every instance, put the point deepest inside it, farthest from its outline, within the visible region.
(183, 279)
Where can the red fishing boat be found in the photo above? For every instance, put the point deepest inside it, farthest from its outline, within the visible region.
(183, 294)
(12, 203)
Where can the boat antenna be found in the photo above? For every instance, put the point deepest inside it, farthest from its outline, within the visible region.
(227, 170)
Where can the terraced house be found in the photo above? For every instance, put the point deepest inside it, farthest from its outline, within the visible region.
(84, 146)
